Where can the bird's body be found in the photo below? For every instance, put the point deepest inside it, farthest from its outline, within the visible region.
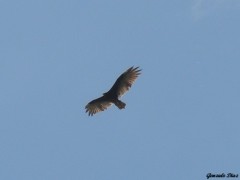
(122, 84)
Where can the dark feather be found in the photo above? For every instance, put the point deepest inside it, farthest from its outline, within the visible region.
(125, 81)
(99, 104)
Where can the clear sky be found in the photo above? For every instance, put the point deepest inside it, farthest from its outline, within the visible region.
(182, 116)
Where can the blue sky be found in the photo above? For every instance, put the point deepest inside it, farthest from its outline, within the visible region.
(182, 116)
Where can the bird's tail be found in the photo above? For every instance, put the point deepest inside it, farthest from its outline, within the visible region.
(120, 104)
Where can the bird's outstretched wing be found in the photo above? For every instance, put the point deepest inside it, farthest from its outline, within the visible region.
(125, 81)
(97, 105)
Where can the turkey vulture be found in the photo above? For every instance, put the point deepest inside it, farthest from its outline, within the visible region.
(122, 84)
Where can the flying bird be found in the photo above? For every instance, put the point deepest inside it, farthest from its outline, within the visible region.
(122, 84)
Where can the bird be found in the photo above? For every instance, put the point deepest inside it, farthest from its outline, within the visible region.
(121, 85)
